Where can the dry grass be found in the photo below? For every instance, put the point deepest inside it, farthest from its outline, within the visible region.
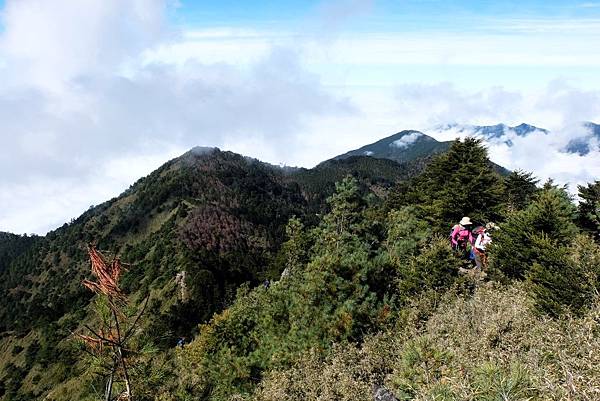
(490, 346)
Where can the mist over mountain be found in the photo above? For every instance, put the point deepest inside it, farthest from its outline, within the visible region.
(585, 141)
(492, 133)
(412, 148)
(217, 216)
(583, 145)
(391, 200)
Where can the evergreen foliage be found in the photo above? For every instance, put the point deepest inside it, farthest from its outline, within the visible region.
(563, 279)
(460, 182)
(519, 189)
(514, 251)
(329, 299)
(341, 294)
(589, 208)
(364, 287)
(406, 234)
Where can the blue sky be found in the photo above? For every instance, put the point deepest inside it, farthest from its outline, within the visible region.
(288, 82)
(532, 25)
(380, 15)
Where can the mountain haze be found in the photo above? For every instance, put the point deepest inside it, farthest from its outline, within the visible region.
(584, 144)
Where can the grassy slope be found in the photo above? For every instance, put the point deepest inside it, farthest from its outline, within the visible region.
(490, 346)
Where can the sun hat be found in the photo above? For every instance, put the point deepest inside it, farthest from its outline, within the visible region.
(465, 221)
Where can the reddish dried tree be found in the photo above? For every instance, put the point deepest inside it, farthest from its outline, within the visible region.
(108, 343)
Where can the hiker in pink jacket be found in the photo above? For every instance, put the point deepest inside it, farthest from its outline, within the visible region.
(461, 235)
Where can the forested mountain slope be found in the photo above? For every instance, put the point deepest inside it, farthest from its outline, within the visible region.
(362, 281)
(217, 216)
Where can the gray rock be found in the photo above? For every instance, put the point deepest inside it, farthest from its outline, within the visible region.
(380, 393)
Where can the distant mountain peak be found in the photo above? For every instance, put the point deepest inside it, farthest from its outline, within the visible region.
(585, 143)
(406, 140)
(498, 132)
(401, 147)
(202, 150)
(582, 143)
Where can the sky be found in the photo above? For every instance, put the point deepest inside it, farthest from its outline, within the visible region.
(98, 93)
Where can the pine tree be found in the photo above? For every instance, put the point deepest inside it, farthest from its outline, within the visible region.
(436, 268)
(557, 283)
(344, 223)
(294, 251)
(519, 188)
(552, 214)
(110, 345)
(589, 208)
(460, 182)
(405, 233)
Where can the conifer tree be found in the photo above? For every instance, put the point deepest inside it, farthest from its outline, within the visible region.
(344, 223)
(460, 182)
(519, 188)
(589, 208)
(436, 268)
(295, 250)
(552, 214)
(557, 282)
(405, 234)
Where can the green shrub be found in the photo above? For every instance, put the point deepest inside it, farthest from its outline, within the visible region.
(435, 268)
(519, 189)
(513, 251)
(560, 282)
(406, 233)
(589, 208)
(493, 383)
(421, 368)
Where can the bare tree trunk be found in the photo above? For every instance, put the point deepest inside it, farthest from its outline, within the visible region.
(109, 385)
(121, 358)
(125, 375)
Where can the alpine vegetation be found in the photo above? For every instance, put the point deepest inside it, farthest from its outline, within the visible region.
(440, 278)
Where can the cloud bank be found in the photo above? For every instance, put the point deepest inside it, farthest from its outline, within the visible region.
(80, 99)
(560, 108)
(96, 94)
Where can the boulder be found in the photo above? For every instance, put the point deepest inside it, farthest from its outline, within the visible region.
(380, 393)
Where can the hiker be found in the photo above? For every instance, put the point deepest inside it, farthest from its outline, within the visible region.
(181, 342)
(461, 236)
(266, 284)
(483, 240)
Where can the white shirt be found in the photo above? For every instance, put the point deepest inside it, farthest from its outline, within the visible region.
(482, 240)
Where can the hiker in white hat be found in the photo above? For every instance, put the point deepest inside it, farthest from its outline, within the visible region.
(461, 235)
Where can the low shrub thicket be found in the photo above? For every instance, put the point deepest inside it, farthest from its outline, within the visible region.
(489, 346)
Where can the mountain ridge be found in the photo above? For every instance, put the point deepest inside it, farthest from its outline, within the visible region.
(403, 146)
(219, 219)
(216, 215)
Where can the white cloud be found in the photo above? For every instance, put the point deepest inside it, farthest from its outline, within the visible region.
(96, 93)
(406, 140)
(557, 106)
(560, 108)
(543, 155)
(49, 43)
(83, 100)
